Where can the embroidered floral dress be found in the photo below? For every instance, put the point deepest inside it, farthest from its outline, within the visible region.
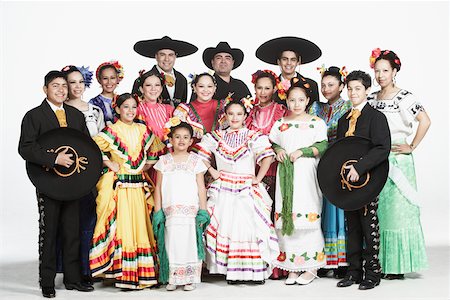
(304, 249)
(180, 203)
(333, 219)
(240, 240)
(123, 245)
(402, 245)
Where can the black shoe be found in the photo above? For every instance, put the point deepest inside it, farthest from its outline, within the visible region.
(340, 272)
(48, 292)
(86, 279)
(323, 272)
(348, 281)
(233, 282)
(393, 276)
(79, 287)
(368, 284)
(259, 282)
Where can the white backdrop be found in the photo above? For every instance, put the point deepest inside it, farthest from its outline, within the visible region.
(40, 36)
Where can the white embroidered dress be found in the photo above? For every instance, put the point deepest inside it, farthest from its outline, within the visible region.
(180, 203)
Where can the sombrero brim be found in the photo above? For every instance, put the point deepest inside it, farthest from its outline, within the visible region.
(329, 174)
(270, 51)
(74, 182)
(149, 48)
(208, 55)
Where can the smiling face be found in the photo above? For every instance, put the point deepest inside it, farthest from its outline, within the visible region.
(108, 80)
(181, 139)
(205, 88)
(297, 101)
(127, 111)
(235, 116)
(222, 63)
(288, 61)
(384, 73)
(56, 91)
(264, 90)
(357, 93)
(151, 89)
(331, 88)
(76, 85)
(165, 58)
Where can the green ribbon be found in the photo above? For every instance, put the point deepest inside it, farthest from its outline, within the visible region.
(202, 221)
(159, 220)
(286, 173)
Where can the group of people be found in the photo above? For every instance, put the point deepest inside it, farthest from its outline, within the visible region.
(225, 180)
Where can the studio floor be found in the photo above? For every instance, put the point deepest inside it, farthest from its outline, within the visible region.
(19, 280)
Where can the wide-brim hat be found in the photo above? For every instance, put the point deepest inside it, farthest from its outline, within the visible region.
(66, 184)
(149, 48)
(209, 53)
(332, 179)
(271, 50)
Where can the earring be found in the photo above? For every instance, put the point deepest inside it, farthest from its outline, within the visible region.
(393, 80)
(375, 83)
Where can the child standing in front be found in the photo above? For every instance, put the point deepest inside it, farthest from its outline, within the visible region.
(180, 207)
(299, 139)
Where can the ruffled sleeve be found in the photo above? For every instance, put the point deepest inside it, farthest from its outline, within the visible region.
(156, 149)
(205, 148)
(321, 131)
(199, 166)
(159, 166)
(103, 144)
(261, 146)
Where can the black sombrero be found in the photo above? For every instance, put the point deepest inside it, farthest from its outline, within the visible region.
(72, 183)
(332, 177)
(208, 54)
(271, 50)
(149, 48)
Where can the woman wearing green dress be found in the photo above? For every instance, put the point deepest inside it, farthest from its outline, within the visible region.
(402, 246)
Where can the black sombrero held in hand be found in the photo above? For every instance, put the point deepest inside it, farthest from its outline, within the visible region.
(66, 184)
(332, 175)
(209, 53)
(149, 48)
(271, 50)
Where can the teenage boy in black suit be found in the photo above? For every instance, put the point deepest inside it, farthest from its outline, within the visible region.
(365, 121)
(54, 215)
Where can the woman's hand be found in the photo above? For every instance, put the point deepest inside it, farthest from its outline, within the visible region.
(401, 148)
(214, 173)
(295, 155)
(281, 155)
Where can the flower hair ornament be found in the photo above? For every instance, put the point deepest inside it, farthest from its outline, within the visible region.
(248, 103)
(116, 65)
(174, 121)
(342, 71)
(373, 57)
(87, 75)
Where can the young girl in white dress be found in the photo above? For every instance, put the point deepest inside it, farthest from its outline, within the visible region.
(240, 240)
(180, 207)
(299, 139)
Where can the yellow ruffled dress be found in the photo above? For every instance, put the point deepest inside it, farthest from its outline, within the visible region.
(123, 245)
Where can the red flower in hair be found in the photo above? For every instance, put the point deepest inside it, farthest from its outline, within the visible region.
(397, 61)
(373, 57)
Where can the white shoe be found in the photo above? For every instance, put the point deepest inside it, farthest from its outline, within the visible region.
(292, 277)
(171, 287)
(189, 287)
(306, 277)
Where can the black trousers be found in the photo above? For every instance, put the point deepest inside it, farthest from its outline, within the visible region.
(62, 216)
(363, 242)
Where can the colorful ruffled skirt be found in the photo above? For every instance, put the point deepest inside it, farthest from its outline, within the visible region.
(123, 245)
(240, 240)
